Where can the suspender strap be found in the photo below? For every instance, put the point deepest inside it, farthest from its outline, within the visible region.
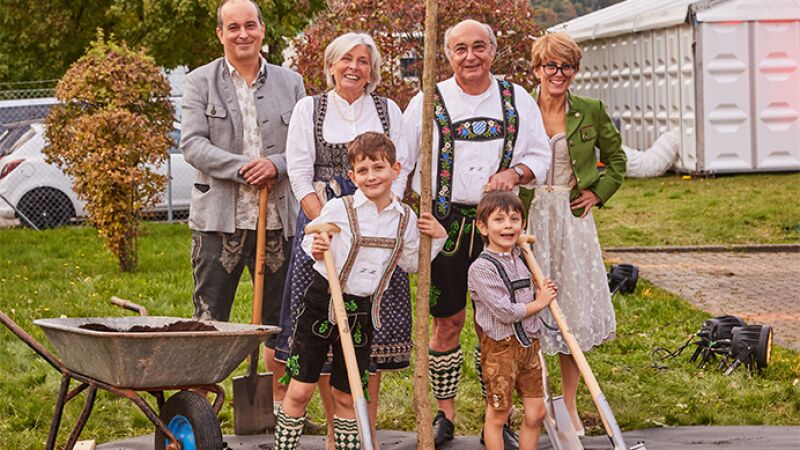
(510, 123)
(474, 129)
(359, 241)
(513, 287)
(444, 169)
(387, 274)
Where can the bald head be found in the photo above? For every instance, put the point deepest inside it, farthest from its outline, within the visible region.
(470, 47)
(251, 2)
(241, 33)
(471, 25)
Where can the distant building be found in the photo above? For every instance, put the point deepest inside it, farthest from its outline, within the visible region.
(725, 73)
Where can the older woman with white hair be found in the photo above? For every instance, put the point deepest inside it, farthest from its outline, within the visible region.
(316, 152)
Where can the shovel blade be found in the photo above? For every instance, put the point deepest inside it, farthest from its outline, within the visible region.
(252, 405)
(559, 427)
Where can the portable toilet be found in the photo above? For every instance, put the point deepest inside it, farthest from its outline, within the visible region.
(724, 72)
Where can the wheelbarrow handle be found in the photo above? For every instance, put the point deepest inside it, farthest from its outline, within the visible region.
(607, 416)
(346, 339)
(32, 342)
(129, 305)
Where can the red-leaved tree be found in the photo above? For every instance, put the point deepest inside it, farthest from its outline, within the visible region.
(397, 27)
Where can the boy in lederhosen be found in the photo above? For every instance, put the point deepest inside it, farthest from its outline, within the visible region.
(377, 234)
(505, 308)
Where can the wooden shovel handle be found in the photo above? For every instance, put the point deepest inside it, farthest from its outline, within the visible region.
(322, 228)
(261, 255)
(572, 343)
(340, 313)
(346, 339)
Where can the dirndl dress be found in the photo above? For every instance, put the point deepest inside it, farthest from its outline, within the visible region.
(568, 251)
(392, 344)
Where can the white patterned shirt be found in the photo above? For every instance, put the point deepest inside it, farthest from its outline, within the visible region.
(247, 196)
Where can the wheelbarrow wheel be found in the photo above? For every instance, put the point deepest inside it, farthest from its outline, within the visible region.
(192, 420)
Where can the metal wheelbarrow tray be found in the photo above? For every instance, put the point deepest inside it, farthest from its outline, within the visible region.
(148, 360)
(123, 362)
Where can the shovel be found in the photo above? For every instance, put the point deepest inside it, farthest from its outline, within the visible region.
(353, 377)
(252, 394)
(609, 421)
(557, 422)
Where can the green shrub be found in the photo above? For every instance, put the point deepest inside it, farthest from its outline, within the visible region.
(108, 132)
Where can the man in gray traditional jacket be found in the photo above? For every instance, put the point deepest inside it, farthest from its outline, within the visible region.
(235, 117)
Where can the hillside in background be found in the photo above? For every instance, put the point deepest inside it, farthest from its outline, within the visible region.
(553, 12)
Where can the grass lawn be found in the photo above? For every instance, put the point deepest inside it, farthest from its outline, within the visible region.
(67, 272)
(745, 209)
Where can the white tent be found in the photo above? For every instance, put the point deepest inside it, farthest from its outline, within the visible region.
(726, 73)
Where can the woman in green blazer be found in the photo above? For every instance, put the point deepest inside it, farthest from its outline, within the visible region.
(560, 216)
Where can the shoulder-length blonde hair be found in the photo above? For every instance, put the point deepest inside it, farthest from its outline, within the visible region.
(556, 46)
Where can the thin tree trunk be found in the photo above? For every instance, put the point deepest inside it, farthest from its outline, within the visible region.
(422, 405)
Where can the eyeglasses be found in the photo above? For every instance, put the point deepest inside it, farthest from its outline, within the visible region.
(551, 69)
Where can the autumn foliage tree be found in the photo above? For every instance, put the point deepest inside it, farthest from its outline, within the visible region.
(176, 32)
(109, 132)
(397, 27)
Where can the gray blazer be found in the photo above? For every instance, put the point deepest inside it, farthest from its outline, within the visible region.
(212, 141)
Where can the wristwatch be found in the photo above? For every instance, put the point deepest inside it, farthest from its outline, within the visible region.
(518, 170)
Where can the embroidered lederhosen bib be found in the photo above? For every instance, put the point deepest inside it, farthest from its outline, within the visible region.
(359, 241)
(331, 159)
(513, 287)
(473, 129)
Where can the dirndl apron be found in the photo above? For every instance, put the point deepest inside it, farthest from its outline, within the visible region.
(568, 251)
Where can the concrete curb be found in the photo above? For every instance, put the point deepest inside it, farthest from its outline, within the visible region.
(746, 248)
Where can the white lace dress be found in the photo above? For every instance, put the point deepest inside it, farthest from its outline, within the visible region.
(568, 251)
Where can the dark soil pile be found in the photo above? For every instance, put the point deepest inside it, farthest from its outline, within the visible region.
(181, 326)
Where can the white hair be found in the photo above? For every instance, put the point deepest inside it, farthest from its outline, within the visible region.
(343, 44)
(486, 27)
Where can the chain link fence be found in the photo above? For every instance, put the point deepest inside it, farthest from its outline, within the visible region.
(26, 100)
(39, 195)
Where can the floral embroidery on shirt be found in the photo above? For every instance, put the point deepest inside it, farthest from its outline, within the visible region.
(511, 118)
(252, 146)
(475, 129)
(479, 128)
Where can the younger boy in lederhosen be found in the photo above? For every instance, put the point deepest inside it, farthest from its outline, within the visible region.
(505, 309)
(377, 234)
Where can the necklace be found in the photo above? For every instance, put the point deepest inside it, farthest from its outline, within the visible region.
(341, 114)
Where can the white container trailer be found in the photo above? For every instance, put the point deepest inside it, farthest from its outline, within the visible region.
(725, 72)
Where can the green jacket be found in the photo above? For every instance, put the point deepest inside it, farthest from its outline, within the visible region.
(590, 127)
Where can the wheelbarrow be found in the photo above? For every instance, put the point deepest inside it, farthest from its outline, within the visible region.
(127, 355)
